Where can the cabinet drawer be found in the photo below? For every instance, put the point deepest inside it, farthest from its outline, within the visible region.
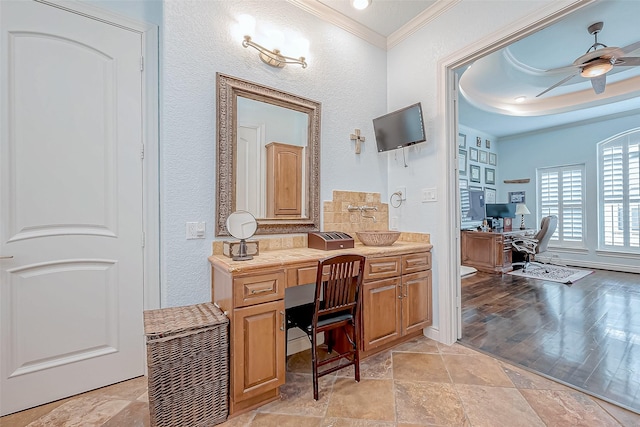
(379, 268)
(259, 288)
(302, 275)
(416, 262)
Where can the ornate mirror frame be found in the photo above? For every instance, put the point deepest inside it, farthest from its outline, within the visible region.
(228, 89)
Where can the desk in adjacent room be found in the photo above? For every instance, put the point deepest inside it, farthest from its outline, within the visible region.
(488, 251)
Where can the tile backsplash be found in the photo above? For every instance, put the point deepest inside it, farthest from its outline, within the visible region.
(336, 217)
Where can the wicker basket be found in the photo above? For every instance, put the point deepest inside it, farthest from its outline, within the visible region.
(188, 365)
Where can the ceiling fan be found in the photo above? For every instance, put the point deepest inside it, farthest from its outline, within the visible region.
(597, 62)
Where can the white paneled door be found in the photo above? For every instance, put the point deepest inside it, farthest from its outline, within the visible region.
(71, 242)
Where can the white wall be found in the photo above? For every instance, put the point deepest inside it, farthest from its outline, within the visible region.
(415, 68)
(345, 74)
(142, 10)
(520, 156)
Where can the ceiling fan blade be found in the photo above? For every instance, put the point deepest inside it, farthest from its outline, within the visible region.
(562, 69)
(631, 47)
(599, 83)
(566, 79)
(630, 61)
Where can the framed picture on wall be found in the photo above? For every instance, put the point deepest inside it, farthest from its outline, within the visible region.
(462, 162)
(489, 176)
(475, 173)
(493, 159)
(463, 184)
(473, 154)
(478, 141)
(483, 156)
(516, 197)
(489, 195)
(487, 143)
(475, 188)
(462, 140)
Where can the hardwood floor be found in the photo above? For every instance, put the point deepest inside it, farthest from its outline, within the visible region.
(586, 335)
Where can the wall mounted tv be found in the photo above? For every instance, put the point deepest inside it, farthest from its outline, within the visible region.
(400, 128)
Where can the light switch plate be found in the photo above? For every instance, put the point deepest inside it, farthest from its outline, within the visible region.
(196, 230)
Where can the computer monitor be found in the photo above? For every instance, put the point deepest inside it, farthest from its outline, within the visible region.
(472, 205)
(501, 210)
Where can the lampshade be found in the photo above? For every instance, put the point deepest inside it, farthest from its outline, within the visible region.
(521, 209)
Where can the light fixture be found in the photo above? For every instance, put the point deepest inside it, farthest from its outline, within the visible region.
(273, 57)
(520, 99)
(596, 68)
(521, 209)
(360, 4)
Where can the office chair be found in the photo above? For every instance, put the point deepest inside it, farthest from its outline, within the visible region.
(531, 246)
(336, 306)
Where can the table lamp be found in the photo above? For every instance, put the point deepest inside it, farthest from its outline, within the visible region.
(521, 209)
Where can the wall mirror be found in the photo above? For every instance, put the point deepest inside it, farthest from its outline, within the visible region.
(268, 157)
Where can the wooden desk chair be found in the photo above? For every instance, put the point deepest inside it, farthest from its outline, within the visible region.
(336, 306)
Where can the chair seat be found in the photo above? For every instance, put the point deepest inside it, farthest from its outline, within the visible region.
(302, 317)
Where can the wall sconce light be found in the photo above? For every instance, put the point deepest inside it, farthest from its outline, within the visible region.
(273, 57)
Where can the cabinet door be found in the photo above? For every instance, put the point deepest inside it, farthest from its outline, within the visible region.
(258, 349)
(416, 301)
(381, 312)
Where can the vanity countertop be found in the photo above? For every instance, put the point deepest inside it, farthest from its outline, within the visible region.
(284, 257)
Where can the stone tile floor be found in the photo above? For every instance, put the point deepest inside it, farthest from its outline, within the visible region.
(418, 383)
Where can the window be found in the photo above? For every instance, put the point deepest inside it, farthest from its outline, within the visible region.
(561, 193)
(619, 196)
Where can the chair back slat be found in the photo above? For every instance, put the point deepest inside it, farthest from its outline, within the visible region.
(338, 289)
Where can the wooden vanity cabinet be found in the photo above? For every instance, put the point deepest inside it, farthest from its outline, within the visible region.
(396, 306)
(254, 304)
(396, 299)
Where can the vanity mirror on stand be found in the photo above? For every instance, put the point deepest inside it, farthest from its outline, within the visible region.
(241, 225)
(268, 157)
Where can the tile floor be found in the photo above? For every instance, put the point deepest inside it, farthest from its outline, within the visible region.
(419, 383)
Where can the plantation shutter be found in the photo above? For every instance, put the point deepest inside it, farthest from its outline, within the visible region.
(620, 192)
(561, 193)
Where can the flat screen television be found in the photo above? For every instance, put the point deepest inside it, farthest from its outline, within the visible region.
(501, 210)
(400, 128)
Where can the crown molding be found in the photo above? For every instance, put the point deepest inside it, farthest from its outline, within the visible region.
(419, 21)
(325, 13)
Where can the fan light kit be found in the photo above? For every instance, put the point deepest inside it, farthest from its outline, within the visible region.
(598, 61)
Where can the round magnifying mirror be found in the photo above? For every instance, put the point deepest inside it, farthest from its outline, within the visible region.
(242, 225)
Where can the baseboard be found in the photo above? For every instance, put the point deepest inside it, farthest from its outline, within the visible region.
(431, 332)
(298, 341)
(557, 260)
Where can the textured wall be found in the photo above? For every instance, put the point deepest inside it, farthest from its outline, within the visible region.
(345, 74)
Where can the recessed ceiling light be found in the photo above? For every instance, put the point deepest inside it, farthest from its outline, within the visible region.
(361, 4)
(520, 99)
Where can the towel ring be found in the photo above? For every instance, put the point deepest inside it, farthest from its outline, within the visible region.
(399, 200)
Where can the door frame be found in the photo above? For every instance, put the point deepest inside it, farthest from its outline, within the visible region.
(150, 137)
(450, 318)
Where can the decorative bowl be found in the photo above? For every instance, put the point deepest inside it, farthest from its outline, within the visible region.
(377, 238)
